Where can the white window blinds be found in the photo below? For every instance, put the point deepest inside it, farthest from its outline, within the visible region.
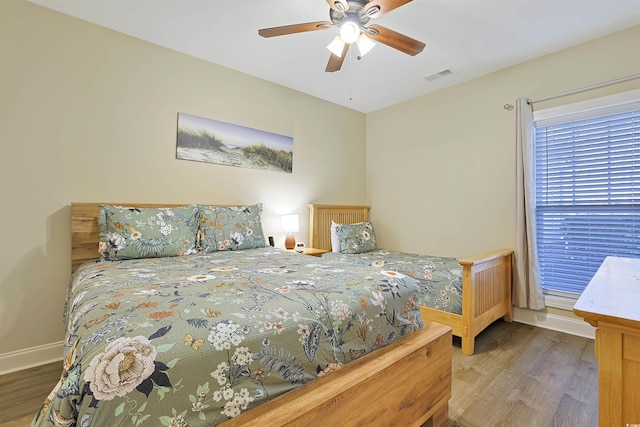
(587, 189)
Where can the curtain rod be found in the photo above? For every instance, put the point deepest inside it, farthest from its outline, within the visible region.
(586, 88)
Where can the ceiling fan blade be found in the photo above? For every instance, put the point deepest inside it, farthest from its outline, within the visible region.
(295, 28)
(376, 8)
(340, 5)
(395, 40)
(335, 62)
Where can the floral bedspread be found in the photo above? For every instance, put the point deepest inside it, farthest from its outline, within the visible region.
(198, 339)
(441, 278)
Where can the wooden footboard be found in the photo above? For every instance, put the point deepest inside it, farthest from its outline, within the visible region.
(486, 297)
(405, 384)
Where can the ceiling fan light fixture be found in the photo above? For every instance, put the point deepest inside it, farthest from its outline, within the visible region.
(336, 46)
(349, 31)
(364, 44)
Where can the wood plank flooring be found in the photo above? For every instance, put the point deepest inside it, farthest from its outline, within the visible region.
(520, 376)
(22, 393)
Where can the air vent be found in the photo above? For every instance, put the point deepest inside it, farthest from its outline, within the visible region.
(436, 76)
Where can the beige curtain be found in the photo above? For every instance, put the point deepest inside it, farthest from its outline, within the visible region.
(527, 288)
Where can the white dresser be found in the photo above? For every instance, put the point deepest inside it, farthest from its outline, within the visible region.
(611, 303)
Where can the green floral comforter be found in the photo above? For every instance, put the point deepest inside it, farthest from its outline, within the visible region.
(441, 278)
(198, 339)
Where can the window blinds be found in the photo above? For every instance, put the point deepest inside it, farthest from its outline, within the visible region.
(587, 193)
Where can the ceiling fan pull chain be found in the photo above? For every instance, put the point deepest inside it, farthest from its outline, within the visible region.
(350, 76)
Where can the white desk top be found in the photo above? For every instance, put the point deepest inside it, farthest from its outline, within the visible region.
(613, 295)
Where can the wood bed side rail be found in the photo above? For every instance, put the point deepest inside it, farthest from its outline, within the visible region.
(486, 293)
(409, 381)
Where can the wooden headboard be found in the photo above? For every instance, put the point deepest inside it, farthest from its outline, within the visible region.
(85, 234)
(320, 221)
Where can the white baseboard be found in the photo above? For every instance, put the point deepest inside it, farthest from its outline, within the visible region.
(31, 357)
(554, 322)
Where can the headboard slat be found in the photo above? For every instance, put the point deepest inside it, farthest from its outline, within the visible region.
(320, 221)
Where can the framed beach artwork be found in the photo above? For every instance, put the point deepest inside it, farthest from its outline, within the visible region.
(212, 141)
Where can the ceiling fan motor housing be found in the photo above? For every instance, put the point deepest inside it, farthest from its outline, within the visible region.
(356, 13)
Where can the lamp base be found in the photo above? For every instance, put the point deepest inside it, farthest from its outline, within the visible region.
(290, 241)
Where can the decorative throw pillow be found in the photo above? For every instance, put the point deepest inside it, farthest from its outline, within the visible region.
(130, 232)
(335, 240)
(356, 238)
(230, 228)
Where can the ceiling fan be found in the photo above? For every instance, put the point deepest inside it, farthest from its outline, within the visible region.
(352, 17)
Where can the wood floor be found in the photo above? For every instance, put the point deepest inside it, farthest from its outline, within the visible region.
(22, 393)
(520, 376)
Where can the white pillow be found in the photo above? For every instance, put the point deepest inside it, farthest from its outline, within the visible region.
(335, 241)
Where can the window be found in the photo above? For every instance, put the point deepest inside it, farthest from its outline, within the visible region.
(587, 188)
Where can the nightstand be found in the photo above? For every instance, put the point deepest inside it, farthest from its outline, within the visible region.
(309, 251)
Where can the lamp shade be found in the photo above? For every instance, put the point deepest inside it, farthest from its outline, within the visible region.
(336, 46)
(364, 44)
(290, 223)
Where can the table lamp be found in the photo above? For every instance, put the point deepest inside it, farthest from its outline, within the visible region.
(290, 225)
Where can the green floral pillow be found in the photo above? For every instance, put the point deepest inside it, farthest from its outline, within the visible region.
(129, 232)
(356, 238)
(230, 228)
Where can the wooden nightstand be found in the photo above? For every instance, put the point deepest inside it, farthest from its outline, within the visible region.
(309, 251)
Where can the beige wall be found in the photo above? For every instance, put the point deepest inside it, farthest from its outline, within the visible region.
(88, 114)
(441, 167)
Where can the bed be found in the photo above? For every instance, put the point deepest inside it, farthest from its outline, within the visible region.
(140, 331)
(485, 280)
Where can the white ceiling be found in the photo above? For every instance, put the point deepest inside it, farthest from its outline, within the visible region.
(469, 37)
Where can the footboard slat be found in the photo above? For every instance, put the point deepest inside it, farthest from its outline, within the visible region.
(489, 287)
(487, 282)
